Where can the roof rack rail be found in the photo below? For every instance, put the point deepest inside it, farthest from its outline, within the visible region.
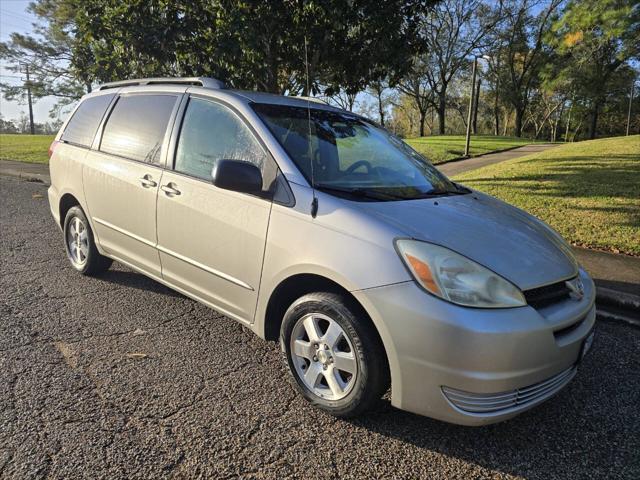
(313, 99)
(206, 82)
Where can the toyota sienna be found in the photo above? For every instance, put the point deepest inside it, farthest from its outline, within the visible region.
(315, 227)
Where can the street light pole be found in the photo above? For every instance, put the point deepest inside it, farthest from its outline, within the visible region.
(473, 89)
(633, 88)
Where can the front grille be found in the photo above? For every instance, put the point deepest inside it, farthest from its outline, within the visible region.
(521, 397)
(547, 295)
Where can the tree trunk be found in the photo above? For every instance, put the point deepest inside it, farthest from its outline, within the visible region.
(566, 132)
(496, 116)
(442, 111)
(474, 124)
(593, 120)
(507, 120)
(556, 124)
(496, 106)
(519, 117)
(380, 108)
(423, 118)
(352, 101)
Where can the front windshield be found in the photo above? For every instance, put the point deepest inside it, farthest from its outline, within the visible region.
(351, 155)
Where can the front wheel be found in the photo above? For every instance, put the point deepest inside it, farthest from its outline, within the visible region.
(80, 245)
(335, 357)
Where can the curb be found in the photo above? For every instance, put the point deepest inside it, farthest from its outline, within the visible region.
(615, 306)
(27, 177)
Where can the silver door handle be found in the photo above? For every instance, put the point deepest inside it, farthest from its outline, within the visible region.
(170, 189)
(147, 182)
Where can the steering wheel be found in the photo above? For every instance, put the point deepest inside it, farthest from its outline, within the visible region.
(360, 163)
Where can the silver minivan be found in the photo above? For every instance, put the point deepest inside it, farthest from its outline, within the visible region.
(315, 227)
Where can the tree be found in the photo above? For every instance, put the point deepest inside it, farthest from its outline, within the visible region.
(249, 45)
(523, 53)
(415, 85)
(252, 45)
(404, 116)
(378, 90)
(342, 99)
(452, 31)
(597, 38)
(7, 126)
(55, 58)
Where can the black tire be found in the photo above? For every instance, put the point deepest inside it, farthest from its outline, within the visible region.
(372, 378)
(93, 263)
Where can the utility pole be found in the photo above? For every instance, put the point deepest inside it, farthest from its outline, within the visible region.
(496, 107)
(28, 87)
(474, 126)
(473, 91)
(471, 100)
(633, 88)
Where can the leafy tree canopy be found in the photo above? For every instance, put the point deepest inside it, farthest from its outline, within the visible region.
(251, 44)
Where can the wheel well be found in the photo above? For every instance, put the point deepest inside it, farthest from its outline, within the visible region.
(66, 202)
(295, 287)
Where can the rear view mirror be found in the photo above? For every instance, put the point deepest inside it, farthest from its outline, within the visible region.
(237, 175)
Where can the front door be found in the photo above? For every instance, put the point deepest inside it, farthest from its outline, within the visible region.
(211, 241)
(122, 179)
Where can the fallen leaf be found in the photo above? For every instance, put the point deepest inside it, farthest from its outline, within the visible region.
(37, 195)
(137, 355)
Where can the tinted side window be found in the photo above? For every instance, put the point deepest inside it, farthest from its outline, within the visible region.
(136, 127)
(212, 132)
(83, 125)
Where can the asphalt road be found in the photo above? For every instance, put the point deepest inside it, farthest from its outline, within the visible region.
(120, 377)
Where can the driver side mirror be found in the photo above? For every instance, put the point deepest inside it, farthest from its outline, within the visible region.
(237, 175)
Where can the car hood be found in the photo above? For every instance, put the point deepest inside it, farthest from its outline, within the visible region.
(505, 239)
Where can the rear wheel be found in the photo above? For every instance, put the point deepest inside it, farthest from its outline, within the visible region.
(336, 359)
(80, 245)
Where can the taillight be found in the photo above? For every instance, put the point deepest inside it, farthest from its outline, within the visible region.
(52, 147)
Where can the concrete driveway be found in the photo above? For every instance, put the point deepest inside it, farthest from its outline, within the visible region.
(119, 377)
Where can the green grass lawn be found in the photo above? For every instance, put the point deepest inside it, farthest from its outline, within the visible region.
(442, 148)
(25, 148)
(588, 191)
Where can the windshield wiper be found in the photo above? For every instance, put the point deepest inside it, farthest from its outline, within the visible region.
(436, 192)
(359, 192)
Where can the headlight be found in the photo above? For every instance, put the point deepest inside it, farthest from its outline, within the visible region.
(455, 278)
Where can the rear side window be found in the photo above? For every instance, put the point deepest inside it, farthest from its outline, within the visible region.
(137, 125)
(83, 125)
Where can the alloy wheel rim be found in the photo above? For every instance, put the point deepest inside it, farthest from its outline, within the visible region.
(77, 241)
(323, 356)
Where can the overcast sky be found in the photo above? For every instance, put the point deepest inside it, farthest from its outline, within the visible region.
(15, 18)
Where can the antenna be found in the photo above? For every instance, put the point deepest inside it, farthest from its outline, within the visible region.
(314, 201)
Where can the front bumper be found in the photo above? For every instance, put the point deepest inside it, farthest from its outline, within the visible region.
(436, 347)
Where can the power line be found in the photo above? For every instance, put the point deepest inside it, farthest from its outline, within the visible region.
(13, 25)
(18, 16)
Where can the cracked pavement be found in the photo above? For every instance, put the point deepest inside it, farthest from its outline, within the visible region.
(120, 377)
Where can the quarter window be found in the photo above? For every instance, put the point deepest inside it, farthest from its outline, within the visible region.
(137, 125)
(212, 132)
(83, 124)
